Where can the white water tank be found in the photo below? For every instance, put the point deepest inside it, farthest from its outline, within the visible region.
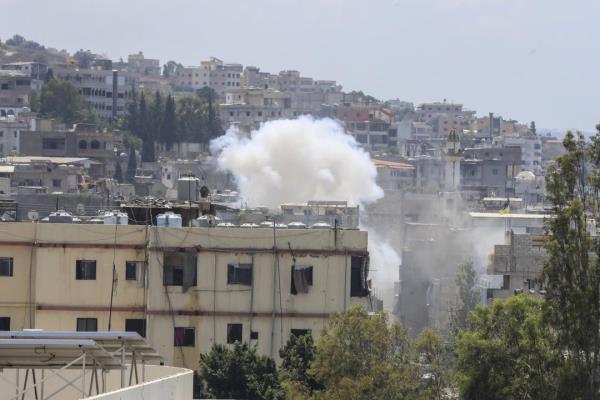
(188, 188)
(115, 218)
(60, 217)
(169, 219)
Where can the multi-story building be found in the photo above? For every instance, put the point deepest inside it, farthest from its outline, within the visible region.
(531, 151)
(221, 76)
(15, 89)
(138, 64)
(443, 117)
(35, 70)
(248, 108)
(106, 91)
(10, 132)
(490, 171)
(190, 78)
(184, 289)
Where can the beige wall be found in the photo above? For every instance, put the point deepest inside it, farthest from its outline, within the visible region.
(59, 299)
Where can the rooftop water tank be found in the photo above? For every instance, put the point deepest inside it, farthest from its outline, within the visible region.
(169, 219)
(188, 188)
(115, 218)
(320, 225)
(296, 225)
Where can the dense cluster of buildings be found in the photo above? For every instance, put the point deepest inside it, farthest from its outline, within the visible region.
(83, 250)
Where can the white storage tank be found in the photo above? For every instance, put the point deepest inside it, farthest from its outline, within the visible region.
(188, 188)
(206, 221)
(115, 218)
(169, 219)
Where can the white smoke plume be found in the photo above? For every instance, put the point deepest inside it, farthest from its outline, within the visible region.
(293, 161)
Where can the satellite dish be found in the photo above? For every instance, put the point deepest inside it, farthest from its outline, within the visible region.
(204, 192)
(80, 209)
(33, 215)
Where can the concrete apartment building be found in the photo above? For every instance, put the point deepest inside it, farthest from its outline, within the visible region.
(184, 289)
(35, 70)
(138, 64)
(531, 151)
(10, 133)
(443, 117)
(106, 91)
(248, 108)
(15, 88)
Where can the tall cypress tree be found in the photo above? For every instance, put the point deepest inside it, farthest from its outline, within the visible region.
(131, 165)
(148, 154)
(168, 129)
(118, 172)
(133, 114)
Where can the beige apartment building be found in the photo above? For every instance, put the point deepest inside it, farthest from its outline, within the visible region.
(182, 288)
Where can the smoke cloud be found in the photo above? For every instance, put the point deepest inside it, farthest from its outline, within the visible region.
(293, 161)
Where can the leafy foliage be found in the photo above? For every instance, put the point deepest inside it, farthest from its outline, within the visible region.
(61, 100)
(297, 356)
(572, 273)
(361, 356)
(239, 373)
(468, 297)
(507, 353)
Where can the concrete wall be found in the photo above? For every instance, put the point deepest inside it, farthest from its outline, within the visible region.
(161, 383)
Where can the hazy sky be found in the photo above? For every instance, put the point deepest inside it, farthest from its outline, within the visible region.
(524, 59)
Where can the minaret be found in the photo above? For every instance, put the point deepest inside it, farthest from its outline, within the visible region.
(453, 157)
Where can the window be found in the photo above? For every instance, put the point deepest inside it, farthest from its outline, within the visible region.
(56, 183)
(4, 323)
(234, 333)
(6, 266)
(87, 324)
(359, 268)
(136, 325)
(83, 144)
(184, 337)
(495, 171)
(506, 282)
(300, 332)
(132, 268)
(302, 278)
(239, 274)
(179, 269)
(253, 335)
(85, 270)
(95, 144)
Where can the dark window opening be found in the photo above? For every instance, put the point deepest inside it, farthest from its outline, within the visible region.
(302, 278)
(179, 269)
(136, 325)
(4, 323)
(239, 274)
(234, 333)
(87, 324)
(184, 337)
(6, 266)
(300, 332)
(253, 335)
(359, 269)
(85, 270)
(131, 269)
(506, 282)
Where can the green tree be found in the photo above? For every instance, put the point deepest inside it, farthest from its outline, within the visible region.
(191, 120)
(145, 131)
(239, 373)
(468, 297)
(118, 172)
(34, 101)
(61, 100)
(213, 123)
(131, 165)
(168, 132)
(532, 127)
(156, 120)
(507, 353)
(572, 271)
(361, 356)
(296, 358)
(430, 350)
